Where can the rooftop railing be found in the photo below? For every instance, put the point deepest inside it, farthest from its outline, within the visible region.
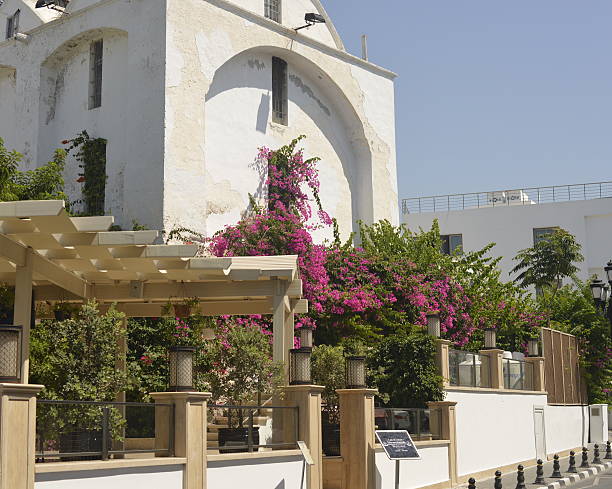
(505, 198)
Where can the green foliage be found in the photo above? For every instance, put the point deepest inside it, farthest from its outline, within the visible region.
(403, 368)
(43, 183)
(92, 157)
(546, 263)
(328, 366)
(572, 310)
(75, 360)
(237, 364)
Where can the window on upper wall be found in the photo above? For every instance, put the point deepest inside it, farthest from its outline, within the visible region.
(279, 91)
(12, 25)
(96, 53)
(452, 243)
(273, 10)
(540, 234)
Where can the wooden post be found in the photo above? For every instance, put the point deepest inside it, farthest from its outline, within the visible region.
(496, 367)
(307, 398)
(23, 310)
(17, 435)
(442, 352)
(280, 352)
(447, 425)
(121, 364)
(357, 437)
(190, 426)
(539, 383)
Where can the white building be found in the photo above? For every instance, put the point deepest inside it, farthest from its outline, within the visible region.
(516, 219)
(185, 91)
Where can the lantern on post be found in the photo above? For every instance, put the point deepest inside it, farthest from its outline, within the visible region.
(490, 338)
(181, 368)
(299, 366)
(533, 347)
(433, 324)
(306, 336)
(355, 372)
(11, 338)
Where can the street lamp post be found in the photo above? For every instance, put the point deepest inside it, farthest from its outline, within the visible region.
(601, 294)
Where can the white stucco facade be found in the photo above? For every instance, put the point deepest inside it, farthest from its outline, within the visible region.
(187, 101)
(511, 229)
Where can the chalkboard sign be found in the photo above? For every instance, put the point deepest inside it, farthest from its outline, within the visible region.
(397, 444)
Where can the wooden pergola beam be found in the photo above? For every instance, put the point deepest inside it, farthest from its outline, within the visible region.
(176, 291)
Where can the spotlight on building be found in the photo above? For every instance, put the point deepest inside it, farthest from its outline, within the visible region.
(53, 4)
(312, 19)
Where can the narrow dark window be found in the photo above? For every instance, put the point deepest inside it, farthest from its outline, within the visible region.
(12, 25)
(95, 74)
(273, 10)
(452, 244)
(279, 91)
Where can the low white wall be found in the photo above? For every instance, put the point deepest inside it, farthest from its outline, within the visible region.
(256, 472)
(164, 477)
(566, 427)
(432, 468)
(494, 428)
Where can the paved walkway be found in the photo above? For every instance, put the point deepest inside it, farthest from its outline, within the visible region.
(509, 478)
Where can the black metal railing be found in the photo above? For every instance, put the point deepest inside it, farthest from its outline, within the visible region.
(330, 430)
(499, 198)
(249, 428)
(422, 424)
(468, 369)
(91, 430)
(518, 375)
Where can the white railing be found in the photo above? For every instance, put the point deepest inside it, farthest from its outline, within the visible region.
(499, 198)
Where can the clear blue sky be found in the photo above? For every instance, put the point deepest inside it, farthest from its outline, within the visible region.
(492, 94)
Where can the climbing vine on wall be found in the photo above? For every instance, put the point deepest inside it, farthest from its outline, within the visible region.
(91, 154)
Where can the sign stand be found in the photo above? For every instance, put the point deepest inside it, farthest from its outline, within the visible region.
(398, 445)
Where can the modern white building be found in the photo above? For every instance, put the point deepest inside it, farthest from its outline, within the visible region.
(185, 92)
(516, 219)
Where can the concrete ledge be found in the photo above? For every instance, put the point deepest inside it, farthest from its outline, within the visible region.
(50, 468)
(505, 468)
(584, 474)
(254, 455)
(487, 390)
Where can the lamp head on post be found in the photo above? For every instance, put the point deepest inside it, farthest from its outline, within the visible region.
(533, 347)
(433, 324)
(608, 269)
(598, 291)
(490, 338)
(181, 368)
(11, 339)
(299, 366)
(306, 336)
(355, 372)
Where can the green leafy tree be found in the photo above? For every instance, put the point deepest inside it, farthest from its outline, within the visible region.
(43, 183)
(403, 368)
(328, 366)
(572, 310)
(549, 261)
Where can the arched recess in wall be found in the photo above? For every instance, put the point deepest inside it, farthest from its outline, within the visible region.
(238, 107)
(66, 109)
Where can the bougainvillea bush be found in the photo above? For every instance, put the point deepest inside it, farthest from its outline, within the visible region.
(384, 286)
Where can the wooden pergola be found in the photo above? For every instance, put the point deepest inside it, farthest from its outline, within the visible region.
(61, 258)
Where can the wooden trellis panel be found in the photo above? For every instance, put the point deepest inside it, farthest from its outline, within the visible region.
(564, 382)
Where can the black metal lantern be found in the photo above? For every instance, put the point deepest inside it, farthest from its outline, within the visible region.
(306, 336)
(608, 269)
(433, 324)
(597, 289)
(181, 368)
(355, 373)
(11, 338)
(533, 347)
(299, 366)
(490, 338)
